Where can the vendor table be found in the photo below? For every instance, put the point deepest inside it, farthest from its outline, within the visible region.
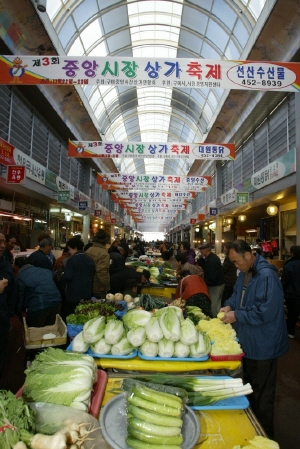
(137, 364)
(157, 290)
(219, 429)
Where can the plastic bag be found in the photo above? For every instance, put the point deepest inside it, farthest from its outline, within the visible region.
(51, 418)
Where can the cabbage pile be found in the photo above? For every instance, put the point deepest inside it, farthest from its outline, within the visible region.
(102, 338)
(165, 334)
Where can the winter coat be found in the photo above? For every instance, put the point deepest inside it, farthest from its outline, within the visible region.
(213, 272)
(100, 256)
(7, 297)
(36, 290)
(40, 259)
(190, 256)
(290, 278)
(79, 277)
(229, 270)
(260, 320)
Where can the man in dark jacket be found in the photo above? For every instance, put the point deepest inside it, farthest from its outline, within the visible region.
(213, 276)
(40, 257)
(230, 275)
(256, 311)
(118, 280)
(290, 280)
(38, 295)
(79, 275)
(7, 301)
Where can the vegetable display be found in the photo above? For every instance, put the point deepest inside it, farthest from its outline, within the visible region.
(86, 310)
(154, 417)
(259, 442)
(201, 391)
(61, 377)
(15, 417)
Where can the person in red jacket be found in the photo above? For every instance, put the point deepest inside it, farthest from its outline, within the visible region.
(193, 290)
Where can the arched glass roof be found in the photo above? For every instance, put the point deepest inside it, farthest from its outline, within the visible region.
(210, 29)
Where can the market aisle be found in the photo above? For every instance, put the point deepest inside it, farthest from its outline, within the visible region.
(287, 407)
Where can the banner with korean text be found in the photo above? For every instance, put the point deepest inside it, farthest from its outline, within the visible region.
(148, 180)
(142, 150)
(150, 71)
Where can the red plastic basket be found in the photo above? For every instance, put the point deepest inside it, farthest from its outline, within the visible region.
(97, 394)
(218, 358)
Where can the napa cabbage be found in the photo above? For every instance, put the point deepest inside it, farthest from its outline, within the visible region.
(114, 331)
(78, 343)
(165, 348)
(123, 347)
(170, 325)
(153, 330)
(136, 336)
(188, 332)
(93, 330)
(100, 347)
(136, 318)
(181, 350)
(149, 349)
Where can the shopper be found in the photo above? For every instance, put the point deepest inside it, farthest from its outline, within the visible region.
(193, 290)
(118, 280)
(185, 248)
(117, 261)
(290, 280)
(37, 295)
(9, 248)
(213, 276)
(40, 258)
(79, 275)
(256, 311)
(98, 253)
(183, 265)
(230, 275)
(7, 301)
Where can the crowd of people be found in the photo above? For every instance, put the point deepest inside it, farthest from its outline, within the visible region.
(246, 287)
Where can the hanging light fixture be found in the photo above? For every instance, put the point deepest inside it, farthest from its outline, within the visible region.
(272, 210)
(197, 229)
(242, 218)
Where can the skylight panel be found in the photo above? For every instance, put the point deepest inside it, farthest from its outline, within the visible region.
(91, 34)
(76, 49)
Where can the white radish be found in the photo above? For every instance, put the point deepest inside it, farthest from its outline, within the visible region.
(40, 441)
(20, 445)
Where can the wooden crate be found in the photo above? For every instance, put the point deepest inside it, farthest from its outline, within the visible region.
(33, 336)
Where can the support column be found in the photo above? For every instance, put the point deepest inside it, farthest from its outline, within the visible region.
(297, 129)
(192, 236)
(86, 228)
(219, 225)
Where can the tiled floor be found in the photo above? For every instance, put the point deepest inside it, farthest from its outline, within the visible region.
(287, 411)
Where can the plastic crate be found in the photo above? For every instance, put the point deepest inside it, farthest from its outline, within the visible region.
(229, 357)
(74, 329)
(34, 336)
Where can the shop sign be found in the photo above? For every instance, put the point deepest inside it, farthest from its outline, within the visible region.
(119, 224)
(50, 180)
(82, 205)
(193, 221)
(213, 211)
(63, 196)
(15, 174)
(97, 212)
(201, 217)
(241, 198)
(113, 220)
(108, 218)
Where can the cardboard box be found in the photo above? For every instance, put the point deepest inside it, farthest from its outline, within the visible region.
(33, 336)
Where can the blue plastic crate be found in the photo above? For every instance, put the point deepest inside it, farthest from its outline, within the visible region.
(74, 329)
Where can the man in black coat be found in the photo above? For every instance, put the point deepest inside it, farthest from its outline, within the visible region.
(40, 258)
(213, 276)
(290, 280)
(118, 279)
(78, 274)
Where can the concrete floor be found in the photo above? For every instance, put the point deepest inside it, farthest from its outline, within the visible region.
(287, 408)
